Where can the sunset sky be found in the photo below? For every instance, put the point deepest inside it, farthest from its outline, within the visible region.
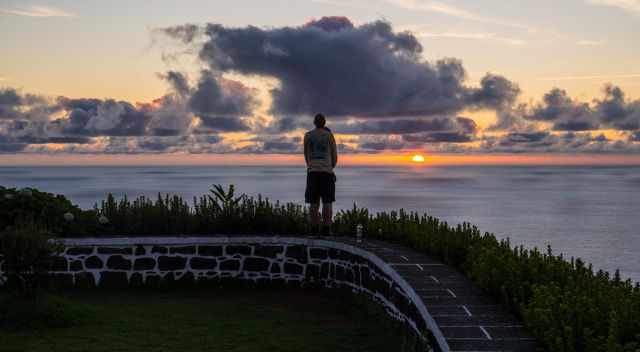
(169, 81)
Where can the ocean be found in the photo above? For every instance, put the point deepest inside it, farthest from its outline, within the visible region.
(591, 212)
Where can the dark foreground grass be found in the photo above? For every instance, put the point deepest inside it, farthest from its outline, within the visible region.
(220, 319)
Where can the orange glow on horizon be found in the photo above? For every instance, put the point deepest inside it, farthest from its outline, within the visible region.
(398, 159)
(417, 158)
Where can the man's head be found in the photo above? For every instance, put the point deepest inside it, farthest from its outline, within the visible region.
(319, 121)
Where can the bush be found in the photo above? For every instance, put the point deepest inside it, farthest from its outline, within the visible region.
(220, 212)
(55, 213)
(27, 253)
(565, 303)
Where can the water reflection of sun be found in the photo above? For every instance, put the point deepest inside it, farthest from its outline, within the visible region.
(417, 158)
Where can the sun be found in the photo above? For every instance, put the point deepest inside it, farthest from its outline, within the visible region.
(418, 158)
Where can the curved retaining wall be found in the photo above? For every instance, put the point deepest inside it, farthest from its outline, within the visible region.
(123, 262)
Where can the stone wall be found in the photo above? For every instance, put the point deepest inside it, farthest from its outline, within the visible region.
(123, 262)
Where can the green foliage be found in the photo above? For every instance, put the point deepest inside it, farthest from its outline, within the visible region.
(565, 303)
(29, 205)
(27, 253)
(220, 212)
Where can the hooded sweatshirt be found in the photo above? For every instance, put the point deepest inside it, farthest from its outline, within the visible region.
(320, 152)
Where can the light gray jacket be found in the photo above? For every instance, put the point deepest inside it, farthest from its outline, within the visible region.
(320, 152)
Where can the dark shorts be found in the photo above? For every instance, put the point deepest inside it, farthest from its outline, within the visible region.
(320, 185)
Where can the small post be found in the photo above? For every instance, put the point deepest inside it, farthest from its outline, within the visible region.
(359, 233)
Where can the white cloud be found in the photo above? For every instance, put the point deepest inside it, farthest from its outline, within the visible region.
(590, 43)
(439, 7)
(627, 5)
(38, 11)
(593, 77)
(470, 36)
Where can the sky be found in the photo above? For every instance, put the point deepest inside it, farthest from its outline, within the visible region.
(168, 81)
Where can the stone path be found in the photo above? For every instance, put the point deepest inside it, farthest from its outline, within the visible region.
(468, 318)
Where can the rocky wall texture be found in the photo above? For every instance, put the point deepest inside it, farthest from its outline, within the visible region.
(124, 262)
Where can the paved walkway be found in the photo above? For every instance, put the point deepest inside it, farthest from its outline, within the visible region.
(469, 319)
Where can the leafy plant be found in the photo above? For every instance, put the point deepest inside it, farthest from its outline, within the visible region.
(565, 303)
(223, 201)
(27, 254)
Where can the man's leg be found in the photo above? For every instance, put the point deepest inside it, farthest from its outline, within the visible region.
(327, 217)
(327, 213)
(313, 198)
(314, 211)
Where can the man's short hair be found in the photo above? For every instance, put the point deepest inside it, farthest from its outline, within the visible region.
(319, 120)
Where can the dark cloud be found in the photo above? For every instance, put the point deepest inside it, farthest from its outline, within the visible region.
(466, 125)
(291, 123)
(370, 80)
(94, 117)
(53, 139)
(9, 145)
(331, 23)
(222, 105)
(14, 105)
(207, 139)
(224, 124)
(170, 116)
(545, 142)
(461, 130)
(187, 32)
(495, 92)
(376, 143)
(12, 147)
(578, 123)
(565, 113)
(178, 81)
(157, 144)
(9, 97)
(214, 96)
(330, 65)
(531, 139)
(510, 119)
(439, 137)
(273, 144)
(381, 146)
(219, 103)
(395, 126)
(616, 112)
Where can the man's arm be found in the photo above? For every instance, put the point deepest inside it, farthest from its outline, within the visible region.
(334, 151)
(306, 149)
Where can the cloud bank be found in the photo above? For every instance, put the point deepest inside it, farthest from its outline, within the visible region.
(370, 80)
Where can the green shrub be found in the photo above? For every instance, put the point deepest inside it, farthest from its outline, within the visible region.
(46, 209)
(220, 212)
(565, 303)
(27, 253)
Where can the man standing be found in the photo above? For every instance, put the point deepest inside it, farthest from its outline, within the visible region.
(321, 156)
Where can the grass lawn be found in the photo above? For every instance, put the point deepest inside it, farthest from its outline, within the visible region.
(220, 319)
